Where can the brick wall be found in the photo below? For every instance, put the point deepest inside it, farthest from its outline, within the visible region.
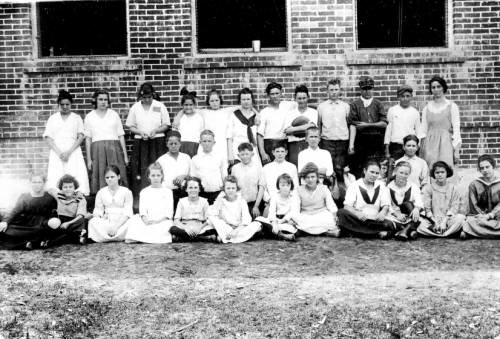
(323, 46)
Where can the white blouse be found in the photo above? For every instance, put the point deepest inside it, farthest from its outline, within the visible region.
(156, 203)
(108, 127)
(148, 121)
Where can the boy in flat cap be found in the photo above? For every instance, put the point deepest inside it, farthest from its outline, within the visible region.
(367, 122)
(403, 119)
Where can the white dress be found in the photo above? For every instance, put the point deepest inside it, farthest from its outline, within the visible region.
(155, 204)
(231, 220)
(65, 133)
(108, 210)
(284, 209)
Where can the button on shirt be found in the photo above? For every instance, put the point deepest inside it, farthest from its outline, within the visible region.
(148, 121)
(372, 113)
(273, 120)
(333, 120)
(173, 167)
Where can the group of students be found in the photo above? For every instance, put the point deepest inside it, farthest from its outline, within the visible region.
(230, 174)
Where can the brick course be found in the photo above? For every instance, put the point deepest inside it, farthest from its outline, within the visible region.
(323, 46)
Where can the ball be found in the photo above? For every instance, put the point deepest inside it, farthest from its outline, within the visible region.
(54, 223)
(300, 121)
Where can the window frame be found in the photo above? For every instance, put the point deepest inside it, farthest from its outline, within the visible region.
(449, 40)
(36, 44)
(238, 51)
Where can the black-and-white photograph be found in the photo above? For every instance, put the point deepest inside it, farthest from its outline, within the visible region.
(249, 169)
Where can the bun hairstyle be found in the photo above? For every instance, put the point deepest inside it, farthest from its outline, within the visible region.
(146, 89)
(63, 94)
(97, 93)
(187, 95)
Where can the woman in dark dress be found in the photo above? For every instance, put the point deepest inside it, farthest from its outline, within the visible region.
(27, 224)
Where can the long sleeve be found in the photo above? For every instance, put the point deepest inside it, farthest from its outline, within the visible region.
(417, 197)
(423, 125)
(388, 130)
(272, 208)
(330, 204)
(99, 205)
(170, 205)
(143, 203)
(350, 196)
(417, 125)
(427, 198)
(246, 218)
(454, 202)
(329, 164)
(294, 207)
(128, 204)
(424, 175)
(474, 208)
(82, 207)
(17, 210)
(455, 123)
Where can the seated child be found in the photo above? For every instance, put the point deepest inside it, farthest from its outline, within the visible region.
(113, 207)
(230, 217)
(190, 221)
(209, 166)
(156, 208)
(250, 178)
(282, 207)
(317, 210)
(441, 204)
(406, 203)
(71, 210)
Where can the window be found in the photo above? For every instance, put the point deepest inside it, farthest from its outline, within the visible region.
(234, 24)
(401, 23)
(68, 28)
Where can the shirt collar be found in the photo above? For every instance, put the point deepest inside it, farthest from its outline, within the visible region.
(366, 102)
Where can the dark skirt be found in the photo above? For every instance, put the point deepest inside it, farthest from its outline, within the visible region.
(144, 153)
(368, 228)
(17, 236)
(70, 235)
(105, 153)
(189, 147)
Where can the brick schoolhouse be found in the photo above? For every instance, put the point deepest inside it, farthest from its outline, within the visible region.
(118, 44)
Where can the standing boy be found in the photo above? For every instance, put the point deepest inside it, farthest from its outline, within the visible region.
(271, 130)
(332, 123)
(314, 154)
(250, 178)
(403, 120)
(209, 166)
(367, 122)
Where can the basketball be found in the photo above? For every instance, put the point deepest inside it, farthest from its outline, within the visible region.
(300, 121)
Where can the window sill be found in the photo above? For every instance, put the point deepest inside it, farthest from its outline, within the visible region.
(243, 60)
(82, 65)
(404, 56)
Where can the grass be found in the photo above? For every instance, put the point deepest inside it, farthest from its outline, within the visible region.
(314, 288)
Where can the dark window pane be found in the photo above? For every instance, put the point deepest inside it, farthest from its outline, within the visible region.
(82, 28)
(235, 23)
(377, 23)
(424, 23)
(401, 23)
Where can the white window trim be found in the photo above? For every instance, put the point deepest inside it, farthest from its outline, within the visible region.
(239, 51)
(35, 39)
(449, 38)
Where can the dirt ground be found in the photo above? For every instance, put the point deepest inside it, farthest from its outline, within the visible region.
(315, 288)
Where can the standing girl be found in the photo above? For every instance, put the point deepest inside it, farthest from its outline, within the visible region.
(113, 207)
(156, 208)
(242, 127)
(191, 215)
(440, 126)
(317, 209)
(441, 204)
(230, 217)
(419, 168)
(105, 143)
(406, 202)
(282, 207)
(191, 123)
(148, 119)
(64, 134)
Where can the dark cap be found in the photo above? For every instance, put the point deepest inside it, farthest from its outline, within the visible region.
(404, 88)
(366, 82)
